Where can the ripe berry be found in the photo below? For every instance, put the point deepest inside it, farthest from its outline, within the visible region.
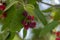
(58, 34)
(24, 22)
(2, 7)
(32, 24)
(25, 13)
(30, 17)
(57, 38)
(4, 14)
(26, 27)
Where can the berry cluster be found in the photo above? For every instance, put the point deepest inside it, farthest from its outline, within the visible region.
(2, 7)
(28, 22)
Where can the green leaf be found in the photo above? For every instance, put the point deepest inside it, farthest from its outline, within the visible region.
(57, 14)
(13, 19)
(9, 5)
(10, 36)
(40, 16)
(9, 1)
(10, 14)
(4, 34)
(47, 10)
(1, 11)
(48, 28)
(31, 1)
(24, 33)
(36, 34)
(17, 37)
(29, 8)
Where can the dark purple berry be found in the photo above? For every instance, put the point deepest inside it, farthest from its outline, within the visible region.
(4, 14)
(2, 7)
(30, 17)
(25, 13)
(26, 27)
(32, 24)
(24, 22)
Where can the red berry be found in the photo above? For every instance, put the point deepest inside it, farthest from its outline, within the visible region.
(30, 17)
(25, 13)
(57, 33)
(2, 7)
(24, 22)
(26, 27)
(57, 38)
(4, 14)
(32, 24)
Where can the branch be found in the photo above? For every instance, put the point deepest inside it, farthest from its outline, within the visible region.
(56, 6)
(47, 4)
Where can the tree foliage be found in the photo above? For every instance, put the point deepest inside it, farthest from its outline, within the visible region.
(14, 10)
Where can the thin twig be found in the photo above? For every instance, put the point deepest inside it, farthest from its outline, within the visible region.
(56, 6)
(47, 4)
